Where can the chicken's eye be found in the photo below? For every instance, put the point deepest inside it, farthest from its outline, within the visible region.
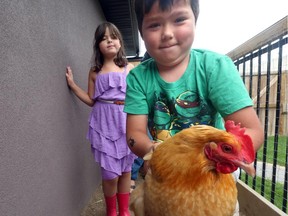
(226, 148)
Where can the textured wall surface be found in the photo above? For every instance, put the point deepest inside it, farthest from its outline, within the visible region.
(45, 161)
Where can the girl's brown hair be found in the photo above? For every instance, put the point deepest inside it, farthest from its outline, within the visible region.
(98, 60)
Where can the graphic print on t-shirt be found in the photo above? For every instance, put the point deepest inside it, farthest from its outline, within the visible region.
(172, 115)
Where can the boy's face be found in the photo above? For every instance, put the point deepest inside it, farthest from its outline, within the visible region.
(168, 35)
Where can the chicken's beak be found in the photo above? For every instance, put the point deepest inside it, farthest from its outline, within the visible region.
(248, 168)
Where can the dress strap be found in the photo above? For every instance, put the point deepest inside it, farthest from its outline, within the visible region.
(125, 69)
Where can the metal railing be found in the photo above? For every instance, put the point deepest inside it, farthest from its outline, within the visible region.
(262, 62)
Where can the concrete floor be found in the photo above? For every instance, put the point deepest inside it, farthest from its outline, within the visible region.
(96, 205)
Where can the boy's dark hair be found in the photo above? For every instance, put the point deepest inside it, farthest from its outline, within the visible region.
(98, 60)
(143, 7)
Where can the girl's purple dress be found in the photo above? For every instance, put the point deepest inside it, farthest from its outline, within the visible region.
(107, 124)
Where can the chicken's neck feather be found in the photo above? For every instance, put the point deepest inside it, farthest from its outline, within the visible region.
(189, 163)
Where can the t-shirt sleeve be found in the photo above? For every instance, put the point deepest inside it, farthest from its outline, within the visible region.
(227, 91)
(135, 101)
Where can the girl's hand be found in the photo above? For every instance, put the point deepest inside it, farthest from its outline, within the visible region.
(79, 92)
(69, 76)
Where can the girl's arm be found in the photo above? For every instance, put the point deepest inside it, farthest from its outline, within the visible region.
(80, 93)
(247, 118)
(136, 134)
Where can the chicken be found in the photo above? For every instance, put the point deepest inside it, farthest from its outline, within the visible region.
(190, 173)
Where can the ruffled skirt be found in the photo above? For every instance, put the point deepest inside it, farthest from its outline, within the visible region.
(107, 135)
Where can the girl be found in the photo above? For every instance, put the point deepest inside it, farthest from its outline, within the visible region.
(107, 122)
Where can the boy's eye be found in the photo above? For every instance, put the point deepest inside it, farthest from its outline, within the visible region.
(154, 25)
(180, 19)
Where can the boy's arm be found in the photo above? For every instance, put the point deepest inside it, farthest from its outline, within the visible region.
(247, 118)
(136, 134)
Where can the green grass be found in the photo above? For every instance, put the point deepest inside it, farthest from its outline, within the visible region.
(281, 160)
(279, 190)
(281, 151)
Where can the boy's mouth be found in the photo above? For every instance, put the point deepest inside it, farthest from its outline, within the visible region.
(167, 46)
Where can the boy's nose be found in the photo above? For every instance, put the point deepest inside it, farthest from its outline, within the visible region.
(167, 33)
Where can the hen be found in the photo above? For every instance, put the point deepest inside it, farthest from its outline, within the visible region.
(190, 173)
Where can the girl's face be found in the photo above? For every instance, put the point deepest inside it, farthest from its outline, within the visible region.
(110, 45)
(169, 35)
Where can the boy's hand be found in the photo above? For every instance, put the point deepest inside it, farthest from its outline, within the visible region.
(156, 143)
(148, 156)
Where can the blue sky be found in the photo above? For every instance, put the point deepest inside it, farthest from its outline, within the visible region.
(225, 24)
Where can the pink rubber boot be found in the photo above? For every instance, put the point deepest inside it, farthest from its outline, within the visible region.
(123, 204)
(111, 205)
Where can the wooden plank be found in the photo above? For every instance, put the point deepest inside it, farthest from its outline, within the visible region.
(261, 39)
(253, 204)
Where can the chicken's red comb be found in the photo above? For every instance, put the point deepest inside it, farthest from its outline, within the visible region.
(245, 140)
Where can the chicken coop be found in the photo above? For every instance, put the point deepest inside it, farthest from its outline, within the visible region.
(46, 163)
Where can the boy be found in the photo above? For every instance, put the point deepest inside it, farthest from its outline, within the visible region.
(179, 87)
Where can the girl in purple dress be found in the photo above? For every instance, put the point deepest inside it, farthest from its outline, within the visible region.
(107, 121)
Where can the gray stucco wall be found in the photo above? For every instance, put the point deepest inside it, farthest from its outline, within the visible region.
(46, 166)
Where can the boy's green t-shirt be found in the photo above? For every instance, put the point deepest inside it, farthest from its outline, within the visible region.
(210, 89)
